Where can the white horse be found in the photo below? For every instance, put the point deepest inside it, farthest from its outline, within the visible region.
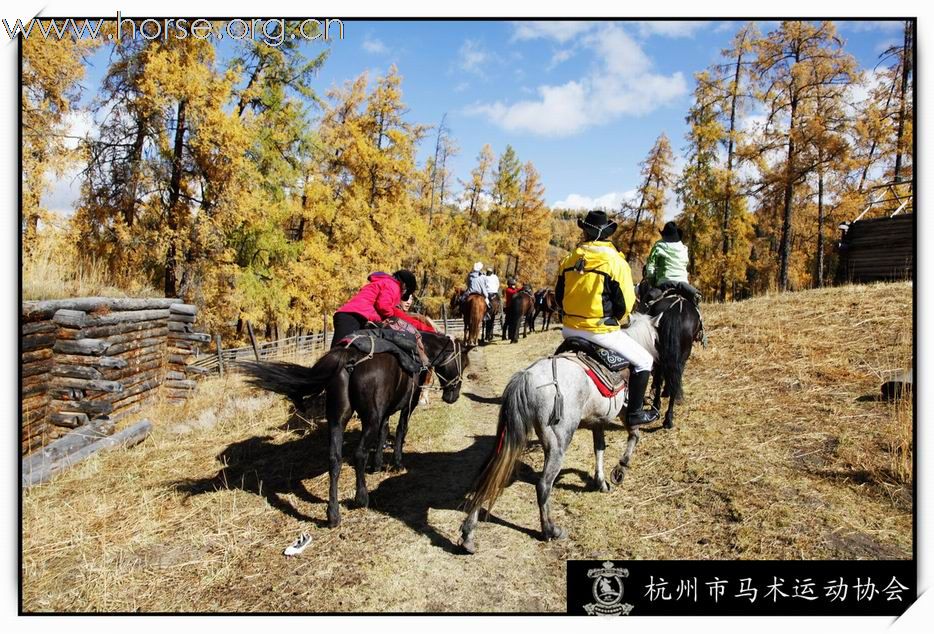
(532, 399)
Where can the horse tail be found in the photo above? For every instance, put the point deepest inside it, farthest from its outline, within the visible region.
(669, 348)
(293, 380)
(512, 433)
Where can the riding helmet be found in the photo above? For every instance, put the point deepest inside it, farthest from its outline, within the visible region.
(408, 282)
(671, 233)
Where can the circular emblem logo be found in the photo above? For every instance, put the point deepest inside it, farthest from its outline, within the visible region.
(608, 590)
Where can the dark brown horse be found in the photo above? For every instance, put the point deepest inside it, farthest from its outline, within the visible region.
(455, 304)
(494, 314)
(373, 386)
(520, 310)
(679, 328)
(474, 308)
(547, 307)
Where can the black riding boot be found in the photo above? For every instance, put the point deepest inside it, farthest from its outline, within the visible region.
(635, 414)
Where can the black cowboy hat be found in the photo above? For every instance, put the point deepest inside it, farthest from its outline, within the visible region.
(408, 282)
(597, 224)
(671, 233)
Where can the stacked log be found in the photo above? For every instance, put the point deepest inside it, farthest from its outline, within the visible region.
(38, 337)
(184, 340)
(107, 363)
(99, 359)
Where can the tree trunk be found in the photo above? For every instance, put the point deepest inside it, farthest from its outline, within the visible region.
(906, 63)
(729, 175)
(784, 249)
(175, 188)
(635, 226)
(129, 203)
(820, 226)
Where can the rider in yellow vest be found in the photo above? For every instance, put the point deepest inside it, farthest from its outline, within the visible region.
(595, 291)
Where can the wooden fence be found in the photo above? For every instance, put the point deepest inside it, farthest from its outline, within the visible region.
(305, 347)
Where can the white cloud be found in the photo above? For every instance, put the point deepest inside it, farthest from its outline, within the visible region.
(472, 57)
(561, 31)
(862, 26)
(671, 28)
(560, 56)
(374, 46)
(622, 83)
(611, 201)
(65, 190)
(886, 44)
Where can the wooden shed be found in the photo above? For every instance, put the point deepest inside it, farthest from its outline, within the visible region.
(877, 249)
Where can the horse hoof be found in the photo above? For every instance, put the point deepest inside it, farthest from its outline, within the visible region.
(334, 521)
(469, 546)
(558, 534)
(617, 475)
(396, 468)
(603, 486)
(669, 424)
(362, 500)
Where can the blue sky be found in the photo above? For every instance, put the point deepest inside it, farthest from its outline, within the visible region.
(583, 101)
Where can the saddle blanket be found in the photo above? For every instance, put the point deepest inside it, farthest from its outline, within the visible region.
(403, 345)
(608, 371)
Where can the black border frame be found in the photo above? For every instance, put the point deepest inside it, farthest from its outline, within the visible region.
(18, 429)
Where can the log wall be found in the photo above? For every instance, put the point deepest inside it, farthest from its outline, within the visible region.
(100, 359)
(878, 249)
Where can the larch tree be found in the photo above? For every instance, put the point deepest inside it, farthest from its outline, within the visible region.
(787, 85)
(478, 185)
(52, 70)
(735, 222)
(657, 179)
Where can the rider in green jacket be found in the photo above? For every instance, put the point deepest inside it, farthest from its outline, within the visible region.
(667, 265)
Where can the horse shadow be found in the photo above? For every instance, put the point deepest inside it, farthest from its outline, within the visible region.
(431, 480)
(272, 470)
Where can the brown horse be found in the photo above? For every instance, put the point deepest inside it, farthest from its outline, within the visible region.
(474, 308)
(520, 309)
(547, 307)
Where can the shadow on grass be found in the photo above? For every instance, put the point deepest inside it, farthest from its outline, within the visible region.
(431, 480)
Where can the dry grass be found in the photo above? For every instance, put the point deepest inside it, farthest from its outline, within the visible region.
(781, 450)
(53, 270)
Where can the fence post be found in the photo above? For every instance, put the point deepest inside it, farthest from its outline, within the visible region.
(220, 354)
(444, 318)
(324, 321)
(249, 329)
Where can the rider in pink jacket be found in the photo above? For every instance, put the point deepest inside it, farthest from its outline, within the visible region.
(376, 301)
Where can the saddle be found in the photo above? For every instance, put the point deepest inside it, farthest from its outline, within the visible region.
(404, 345)
(607, 369)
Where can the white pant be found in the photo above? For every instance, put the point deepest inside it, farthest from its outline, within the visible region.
(617, 341)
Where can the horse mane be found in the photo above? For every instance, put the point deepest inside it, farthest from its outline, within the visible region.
(643, 330)
(423, 319)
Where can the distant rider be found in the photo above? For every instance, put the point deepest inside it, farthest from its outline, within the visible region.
(476, 283)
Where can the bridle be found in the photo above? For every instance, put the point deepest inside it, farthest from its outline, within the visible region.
(455, 356)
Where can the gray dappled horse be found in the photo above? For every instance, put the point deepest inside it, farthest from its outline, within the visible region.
(530, 400)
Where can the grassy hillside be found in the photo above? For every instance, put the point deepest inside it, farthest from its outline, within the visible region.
(781, 450)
